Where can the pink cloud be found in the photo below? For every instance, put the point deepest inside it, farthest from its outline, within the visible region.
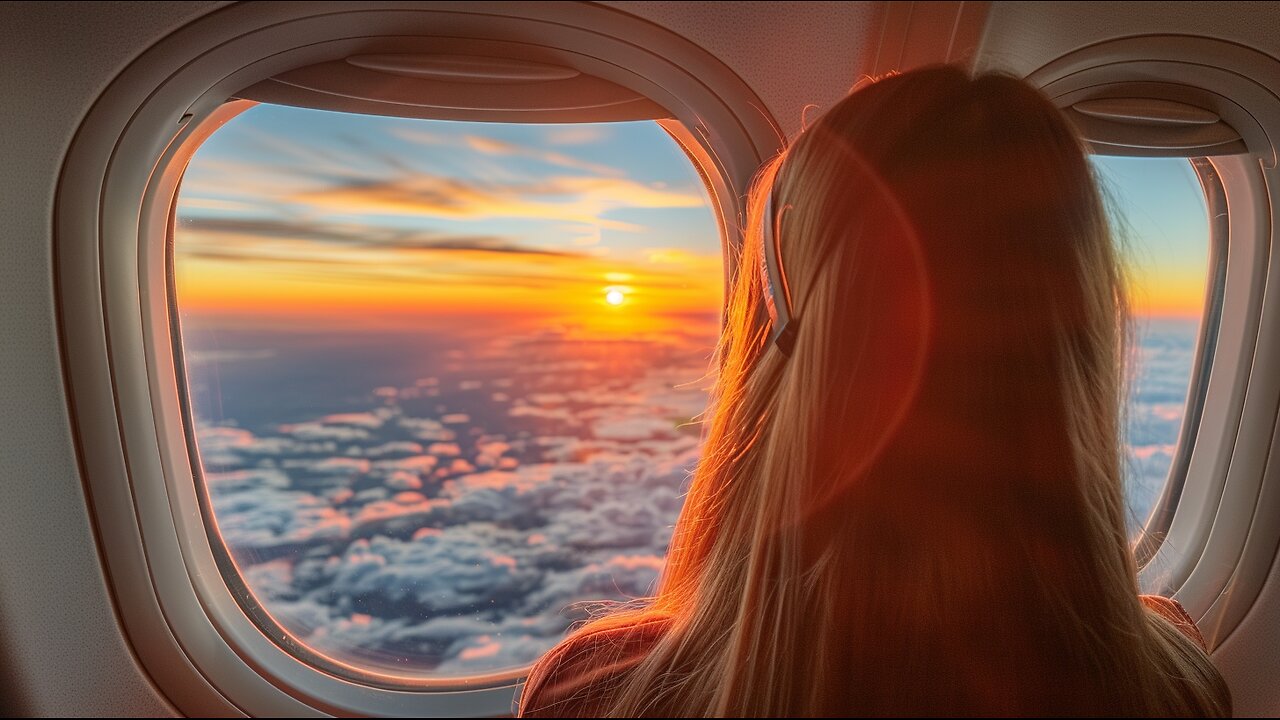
(366, 419)
(632, 562)
(1146, 452)
(446, 449)
(502, 560)
(342, 466)
(415, 463)
(488, 649)
(496, 480)
(401, 480)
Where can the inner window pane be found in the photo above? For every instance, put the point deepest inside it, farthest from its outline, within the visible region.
(1157, 208)
(445, 376)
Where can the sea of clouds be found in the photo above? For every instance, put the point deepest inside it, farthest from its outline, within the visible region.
(415, 536)
(446, 545)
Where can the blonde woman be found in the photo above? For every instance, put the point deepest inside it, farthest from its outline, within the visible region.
(910, 500)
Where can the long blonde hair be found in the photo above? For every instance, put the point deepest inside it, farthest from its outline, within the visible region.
(920, 510)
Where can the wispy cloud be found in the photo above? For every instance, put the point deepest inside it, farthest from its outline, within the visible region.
(471, 177)
(328, 254)
(461, 261)
(495, 147)
(576, 135)
(501, 148)
(234, 229)
(561, 198)
(217, 204)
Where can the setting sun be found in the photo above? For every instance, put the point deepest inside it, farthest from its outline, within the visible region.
(614, 297)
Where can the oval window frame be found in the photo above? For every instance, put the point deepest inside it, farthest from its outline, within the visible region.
(112, 216)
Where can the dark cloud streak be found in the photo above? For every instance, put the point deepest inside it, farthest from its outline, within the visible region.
(355, 236)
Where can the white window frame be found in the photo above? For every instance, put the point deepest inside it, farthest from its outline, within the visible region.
(1225, 529)
(1223, 537)
(112, 217)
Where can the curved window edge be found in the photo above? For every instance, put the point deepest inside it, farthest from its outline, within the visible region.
(116, 192)
(1160, 519)
(1220, 535)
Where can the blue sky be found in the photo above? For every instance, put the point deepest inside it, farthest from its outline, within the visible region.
(1158, 217)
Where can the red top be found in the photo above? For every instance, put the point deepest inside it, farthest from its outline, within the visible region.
(575, 678)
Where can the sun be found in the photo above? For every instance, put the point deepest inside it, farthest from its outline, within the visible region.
(614, 297)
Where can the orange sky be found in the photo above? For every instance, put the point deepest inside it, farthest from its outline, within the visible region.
(393, 283)
(295, 217)
(292, 216)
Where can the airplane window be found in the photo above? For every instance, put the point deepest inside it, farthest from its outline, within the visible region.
(1158, 212)
(444, 377)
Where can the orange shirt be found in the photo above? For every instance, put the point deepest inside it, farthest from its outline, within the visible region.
(576, 678)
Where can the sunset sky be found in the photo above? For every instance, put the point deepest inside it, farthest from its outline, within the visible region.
(299, 218)
(304, 216)
(1158, 214)
(446, 377)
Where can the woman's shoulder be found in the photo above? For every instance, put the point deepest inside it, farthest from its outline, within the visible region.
(577, 677)
(1172, 610)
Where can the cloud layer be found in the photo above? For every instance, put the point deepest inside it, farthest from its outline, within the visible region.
(460, 523)
(468, 539)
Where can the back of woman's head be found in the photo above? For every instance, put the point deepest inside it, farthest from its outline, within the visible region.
(917, 506)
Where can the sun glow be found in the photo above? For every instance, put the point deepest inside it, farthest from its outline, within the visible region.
(614, 297)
